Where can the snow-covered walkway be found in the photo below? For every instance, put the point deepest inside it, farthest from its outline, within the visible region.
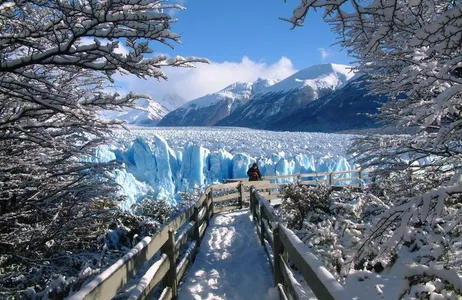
(231, 263)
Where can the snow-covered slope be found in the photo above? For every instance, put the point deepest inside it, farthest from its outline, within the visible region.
(317, 77)
(276, 102)
(150, 113)
(235, 92)
(260, 85)
(209, 109)
(347, 108)
(172, 101)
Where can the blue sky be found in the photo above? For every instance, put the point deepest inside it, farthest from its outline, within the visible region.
(227, 30)
(244, 40)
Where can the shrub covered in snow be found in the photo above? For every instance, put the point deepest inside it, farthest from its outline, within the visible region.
(157, 209)
(352, 231)
(67, 258)
(330, 222)
(304, 203)
(67, 265)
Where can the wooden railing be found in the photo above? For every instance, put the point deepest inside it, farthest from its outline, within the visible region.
(180, 236)
(269, 187)
(356, 178)
(156, 259)
(282, 245)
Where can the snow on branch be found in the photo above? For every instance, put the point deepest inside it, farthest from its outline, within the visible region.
(396, 224)
(58, 41)
(57, 59)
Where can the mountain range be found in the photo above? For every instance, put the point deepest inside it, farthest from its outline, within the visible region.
(326, 98)
(345, 109)
(210, 109)
(277, 102)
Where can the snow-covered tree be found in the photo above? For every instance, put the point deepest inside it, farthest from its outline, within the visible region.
(57, 59)
(411, 51)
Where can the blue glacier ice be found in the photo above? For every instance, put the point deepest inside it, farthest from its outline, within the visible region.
(194, 168)
(149, 166)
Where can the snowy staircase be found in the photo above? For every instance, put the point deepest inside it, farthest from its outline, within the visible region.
(157, 264)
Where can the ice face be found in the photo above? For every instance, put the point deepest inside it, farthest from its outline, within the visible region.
(194, 168)
(152, 166)
(133, 189)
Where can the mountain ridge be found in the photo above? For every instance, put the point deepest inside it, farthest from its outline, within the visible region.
(346, 109)
(282, 99)
(149, 113)
(326, 98)
(211, 108)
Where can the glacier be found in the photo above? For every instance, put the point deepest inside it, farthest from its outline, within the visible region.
(164, 162)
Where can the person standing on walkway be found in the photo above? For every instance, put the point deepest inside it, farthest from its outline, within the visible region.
(254, 173)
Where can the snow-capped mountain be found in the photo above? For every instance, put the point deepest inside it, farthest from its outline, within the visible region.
(172, 101)
(276, 102)
(260, 85)
(347, 108)
(209, 109)
(149, 114)
(316, 78)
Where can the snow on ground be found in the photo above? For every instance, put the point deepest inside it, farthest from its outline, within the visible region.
(231, 263)
(392, 283)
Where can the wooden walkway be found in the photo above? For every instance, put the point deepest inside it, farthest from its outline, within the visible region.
(158, 263)
(231, 264)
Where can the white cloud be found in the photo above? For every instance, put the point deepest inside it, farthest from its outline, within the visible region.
(324, 53)
(121, 49)
(206, 78)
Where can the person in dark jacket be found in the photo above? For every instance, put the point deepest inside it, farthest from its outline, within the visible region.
(254, 173)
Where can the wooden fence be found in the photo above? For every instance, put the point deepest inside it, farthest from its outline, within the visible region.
(281, 246)
(164, 257)
(334, 178)
(269, 186)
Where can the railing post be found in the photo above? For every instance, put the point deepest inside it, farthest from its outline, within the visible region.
(170, 277)
(196, 226)
(207, 214)
(253, 203)
(240, 187)
(211, 199)
(331, 179)
(251, 200)
(278, 249)
(262, 226)
(361, 182)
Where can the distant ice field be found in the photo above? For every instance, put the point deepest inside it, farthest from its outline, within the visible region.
(256, 143)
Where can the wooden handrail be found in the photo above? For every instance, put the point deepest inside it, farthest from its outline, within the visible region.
(304, 175)
(284, 243)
